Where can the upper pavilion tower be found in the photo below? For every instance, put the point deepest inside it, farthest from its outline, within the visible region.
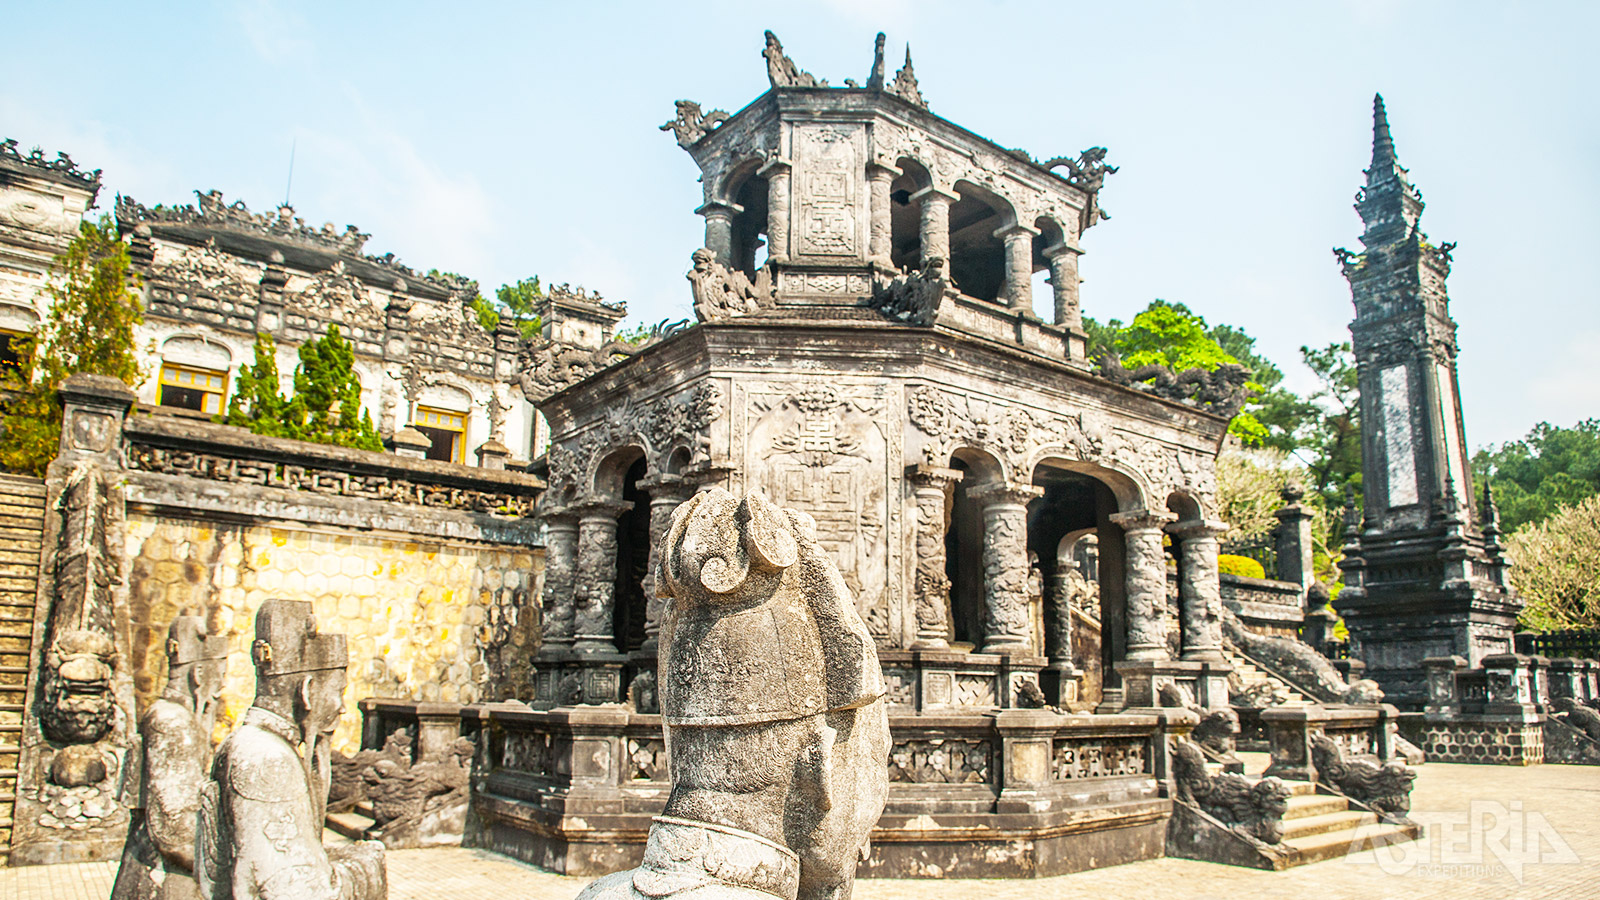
(1422, 577)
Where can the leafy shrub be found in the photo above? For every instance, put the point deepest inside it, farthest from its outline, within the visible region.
(1243, 566)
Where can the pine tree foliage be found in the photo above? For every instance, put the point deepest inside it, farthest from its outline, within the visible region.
(87, 329)
(326, 406)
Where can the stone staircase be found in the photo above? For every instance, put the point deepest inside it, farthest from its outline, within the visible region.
(1321, 826)
(1316, 827)
(1252, 675)
(21, 533)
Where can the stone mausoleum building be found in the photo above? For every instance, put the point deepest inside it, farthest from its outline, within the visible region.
(866, 351)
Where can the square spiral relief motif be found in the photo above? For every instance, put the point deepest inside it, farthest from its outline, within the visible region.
(1099, 759)
(940, 761)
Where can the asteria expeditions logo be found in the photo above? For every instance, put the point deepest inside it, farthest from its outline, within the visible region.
(1488, 839)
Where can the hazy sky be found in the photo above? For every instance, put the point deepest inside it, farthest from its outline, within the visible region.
(506, 140)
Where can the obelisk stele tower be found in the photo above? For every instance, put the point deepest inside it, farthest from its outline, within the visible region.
(1420, 578)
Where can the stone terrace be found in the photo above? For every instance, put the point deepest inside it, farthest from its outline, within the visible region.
(1442, 865)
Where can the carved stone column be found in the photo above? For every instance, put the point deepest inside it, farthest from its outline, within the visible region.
(935, 225)
(1058, 620)
(879, 179)
(779, 185)
(1006, 628)
(1064, 284)
(719, 229)
(1199, 590)
(1019, 266)
(560, 569)
(1145, 582)
(666, 493)
(932, 586)
(594, 599)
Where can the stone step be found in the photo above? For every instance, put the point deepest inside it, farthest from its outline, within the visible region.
(352, 825)
(21, 507)
(1303, 806)
(1346, 820)
(1318, 847)
(21, 484)
(1299, 788)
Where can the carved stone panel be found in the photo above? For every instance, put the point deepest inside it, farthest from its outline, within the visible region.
(828, 450)
(829, 169)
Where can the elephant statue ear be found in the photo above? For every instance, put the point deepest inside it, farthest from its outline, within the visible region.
(766, 531)
(704, 551)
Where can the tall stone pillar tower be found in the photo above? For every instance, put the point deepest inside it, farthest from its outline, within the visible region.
(1420, 580)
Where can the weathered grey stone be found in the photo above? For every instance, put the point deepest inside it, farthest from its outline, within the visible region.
(772, 699)
(261, 814)
(1385, 788)
(175, 734)
(1252, 808)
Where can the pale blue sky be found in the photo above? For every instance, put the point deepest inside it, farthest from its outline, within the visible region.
(504, 140)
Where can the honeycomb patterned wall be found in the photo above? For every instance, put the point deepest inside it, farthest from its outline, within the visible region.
(426, 619)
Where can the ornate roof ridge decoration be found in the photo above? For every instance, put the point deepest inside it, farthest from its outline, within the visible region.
(904, 85)
(211, 210)
(547, 366)
(62, 165)
(781, 70)
(1222, 392)
(566, 293)
(912, 298)
(1087, 173)
(691, 124)
(724, 293)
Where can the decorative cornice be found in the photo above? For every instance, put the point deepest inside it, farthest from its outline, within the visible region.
(62, 166)
(212, 212)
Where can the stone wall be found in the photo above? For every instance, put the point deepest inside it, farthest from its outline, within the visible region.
(417, 612)
(429, 568)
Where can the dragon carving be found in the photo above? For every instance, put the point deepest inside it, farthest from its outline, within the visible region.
(1252, 809)
(1385, 788)
(1222, 392)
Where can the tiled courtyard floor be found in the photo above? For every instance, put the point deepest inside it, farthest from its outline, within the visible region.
(1494, 832)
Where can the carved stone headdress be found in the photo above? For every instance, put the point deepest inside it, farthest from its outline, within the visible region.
(287, 641)
(187, 642)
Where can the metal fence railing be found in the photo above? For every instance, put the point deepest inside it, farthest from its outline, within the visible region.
(1582, 643)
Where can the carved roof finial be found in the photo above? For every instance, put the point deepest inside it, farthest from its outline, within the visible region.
(781, 70)
(905, 83)
(1491, 511)
(1382, 141)
(1388, 203)
(875, 80)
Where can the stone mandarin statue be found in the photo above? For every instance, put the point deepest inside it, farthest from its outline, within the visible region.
(175, 735)
(261, 815)
(772, 701)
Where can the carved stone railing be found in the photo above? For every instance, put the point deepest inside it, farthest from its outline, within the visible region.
(575, 787)
(165, 445)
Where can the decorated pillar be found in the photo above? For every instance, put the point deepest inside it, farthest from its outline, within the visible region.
(560, 567)
(935, 226)
(932, 485)
(719, 230)
(1199, 590)
(594, 599)
(1145, 582)
(666, 493)
(879, 179)
(1064, 284)
(1006, 628)
(779, 184)
(1019, 266)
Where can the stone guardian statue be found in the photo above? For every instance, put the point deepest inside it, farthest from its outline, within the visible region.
(261, 814)
(772, 702)
(175, 739)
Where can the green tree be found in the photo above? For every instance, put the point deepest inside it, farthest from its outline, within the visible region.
(519, 300)
(88, 328)
(1558, 568)
(258, 403)
(1170, 335)
(1328, 438)
(326, 407)
(1549, 469)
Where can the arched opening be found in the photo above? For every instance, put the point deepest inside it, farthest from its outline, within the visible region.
(905, 215)
(963, 543)
(1081, 554)
(633, 560)
(749, 227)
(977, 257)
